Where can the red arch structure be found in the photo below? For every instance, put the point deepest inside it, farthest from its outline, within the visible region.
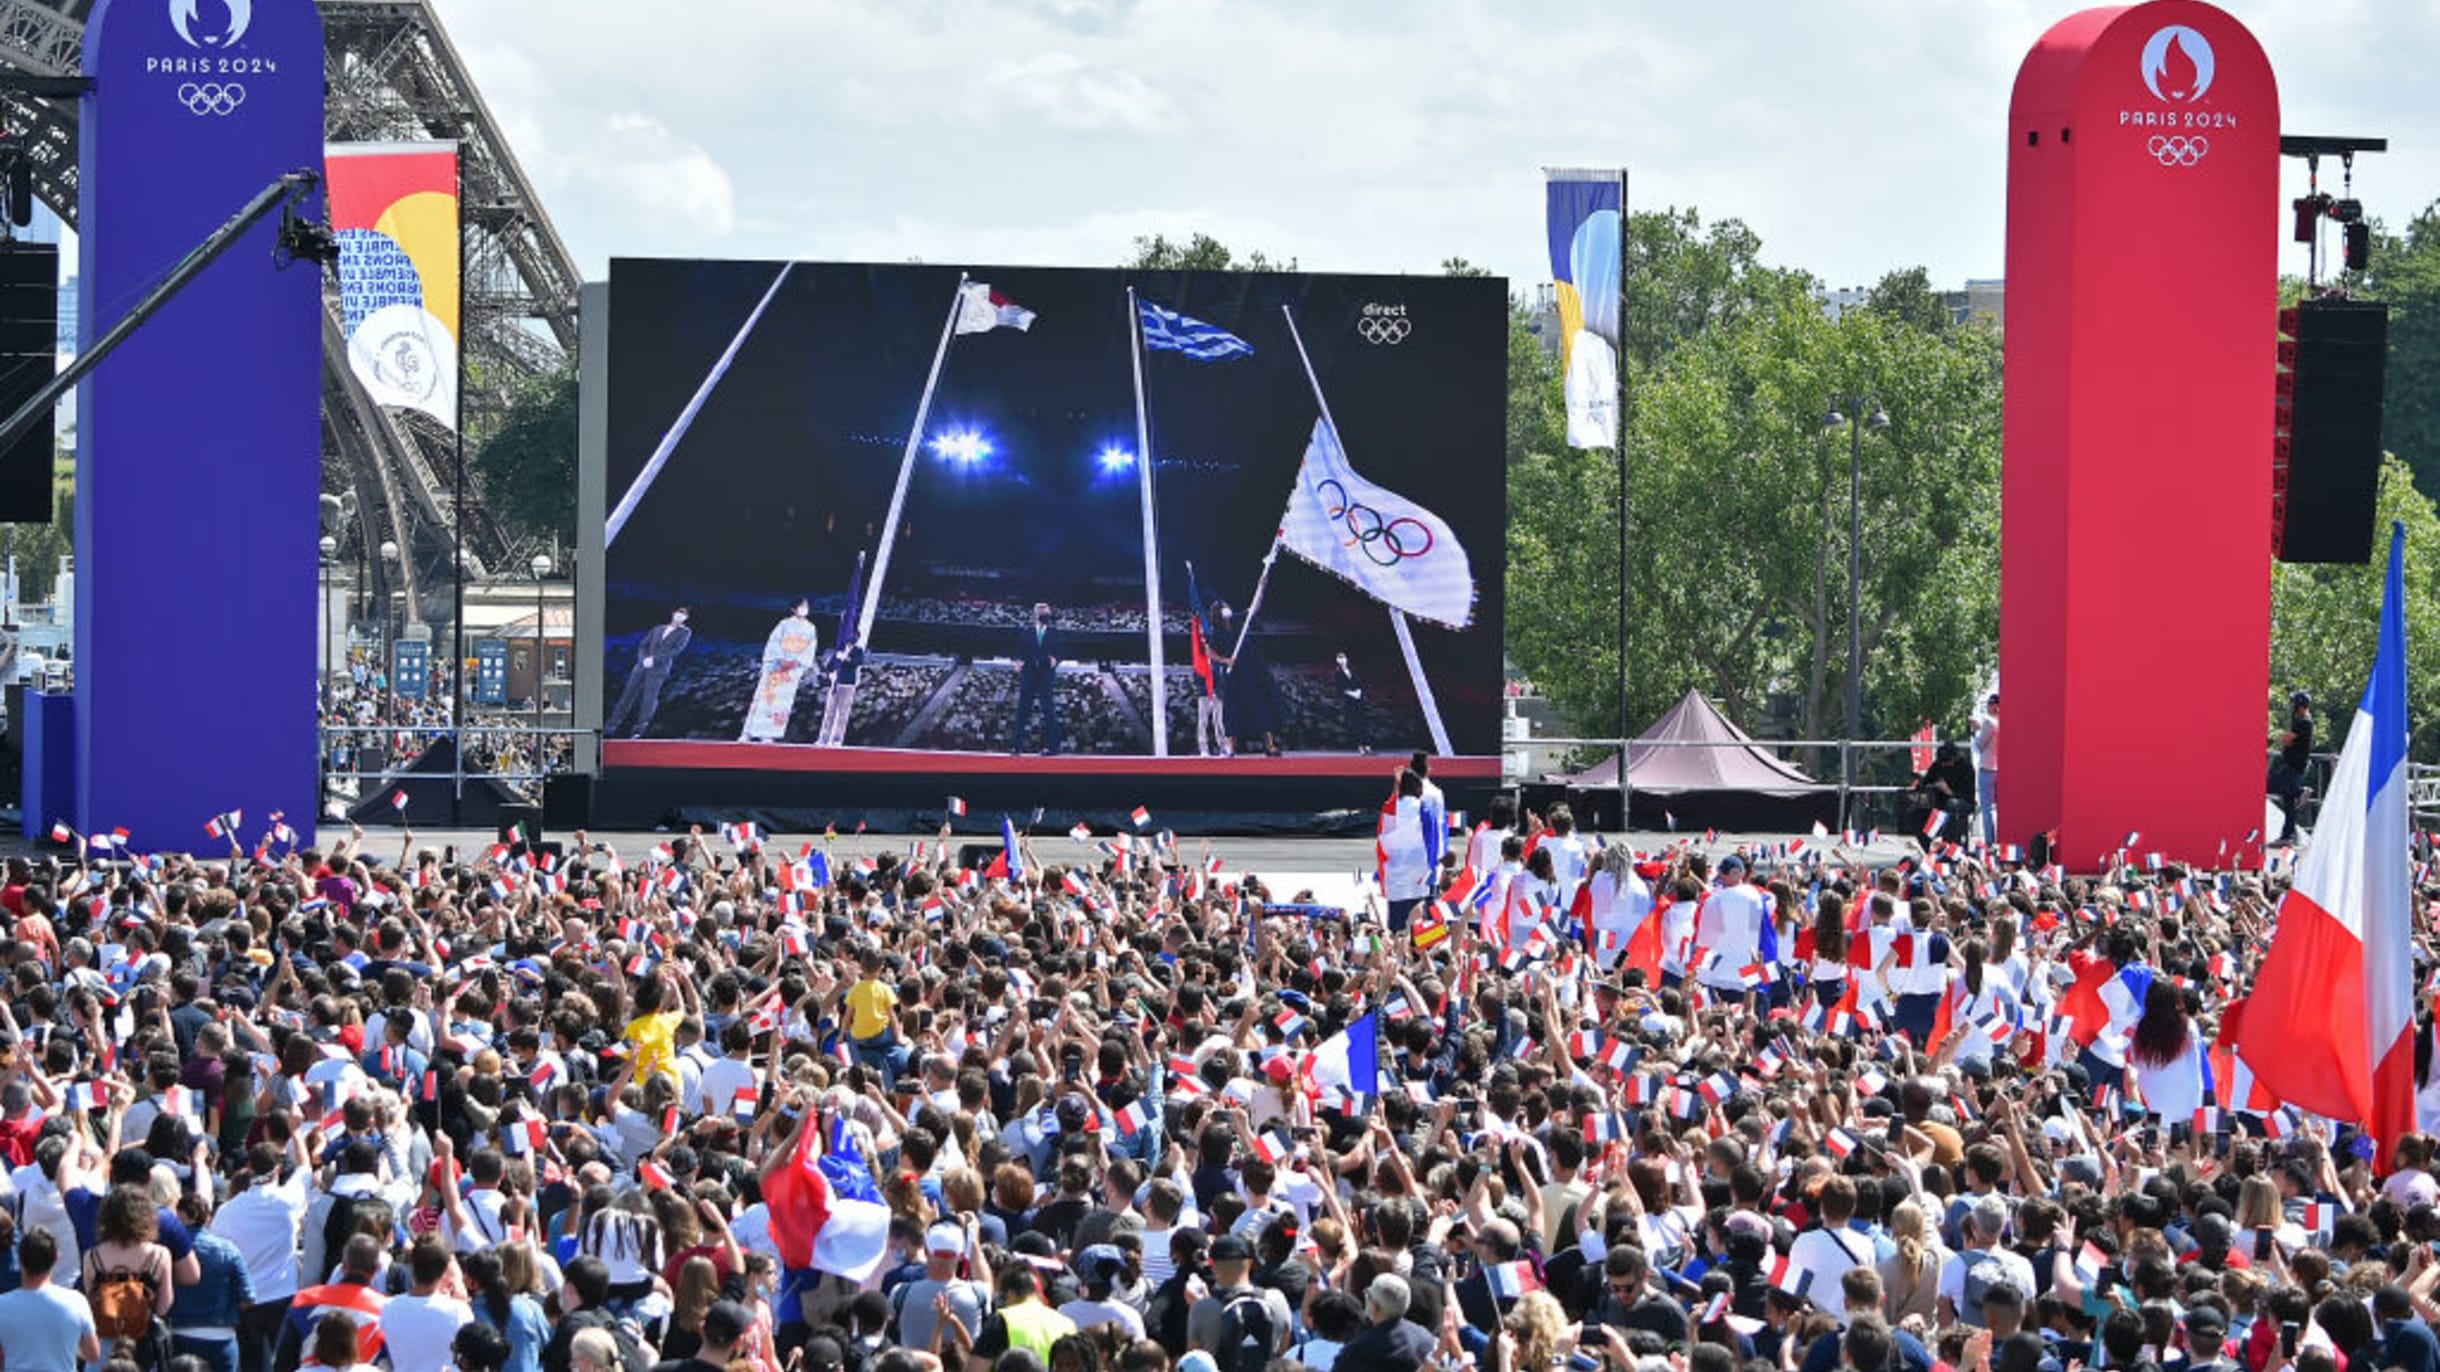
(2143, 187)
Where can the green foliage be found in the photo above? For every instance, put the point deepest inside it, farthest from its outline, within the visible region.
(527, 468)
(39, 548)
(1202, 253)
(2405, 272)
(1907, 297)
(2325, 621)
(1739, 502)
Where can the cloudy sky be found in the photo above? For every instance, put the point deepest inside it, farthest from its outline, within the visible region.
(1353, 135)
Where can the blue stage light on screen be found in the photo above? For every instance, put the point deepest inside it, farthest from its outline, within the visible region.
(1114, 459)
(965, 447)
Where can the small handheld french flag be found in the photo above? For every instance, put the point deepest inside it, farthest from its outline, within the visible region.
(957, 806)
(1140, 816)
(224, 826)
(398, 800)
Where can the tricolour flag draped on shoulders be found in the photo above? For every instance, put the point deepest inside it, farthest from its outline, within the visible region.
(2329, 1026)
(1385, 544)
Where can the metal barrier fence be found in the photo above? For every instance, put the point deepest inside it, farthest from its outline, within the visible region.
(518, 756)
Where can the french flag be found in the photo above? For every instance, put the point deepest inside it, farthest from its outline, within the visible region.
(2329, 1027)
(1010, 864)
(1350, 1060)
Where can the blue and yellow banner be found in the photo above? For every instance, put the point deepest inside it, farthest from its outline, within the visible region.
(1586, 210)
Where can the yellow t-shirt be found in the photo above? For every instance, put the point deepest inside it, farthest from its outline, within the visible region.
(869, 1003)
(655, 1039)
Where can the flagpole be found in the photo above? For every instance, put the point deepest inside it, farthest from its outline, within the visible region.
(906, 469)
(686, 418)
(1152, 534)
(1397, 617)
(1245, 626)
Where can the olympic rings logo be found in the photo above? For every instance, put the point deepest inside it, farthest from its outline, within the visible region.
(1390, 331)
(1387, 542)
(211, 97)
(2177, 150)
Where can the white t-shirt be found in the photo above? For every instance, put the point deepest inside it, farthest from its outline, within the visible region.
(1483, 850)
(1088, 1314)
(1729, 923)
(722, 1081)
(417, 1331)
(1829, 1256)
(1406, 863)
(2174, 1090)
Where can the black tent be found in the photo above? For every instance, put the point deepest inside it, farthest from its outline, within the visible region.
(1692, 769)
(427, 784)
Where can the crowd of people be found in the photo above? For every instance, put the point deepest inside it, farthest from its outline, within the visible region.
(1108, 1104)
(369, 732)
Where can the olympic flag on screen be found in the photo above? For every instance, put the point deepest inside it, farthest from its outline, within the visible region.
(394, 210)
(1392, 548)
(1585, 210)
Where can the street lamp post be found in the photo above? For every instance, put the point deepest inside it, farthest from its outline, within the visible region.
(321, 695)
(389, 641)
(541, 568)
(1877, 419)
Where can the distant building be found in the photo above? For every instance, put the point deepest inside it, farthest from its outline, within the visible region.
(1542, 317)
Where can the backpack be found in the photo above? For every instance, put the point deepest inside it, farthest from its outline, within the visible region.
(1981, 1276)
(1165, 1314)
(122, 1302)
(1247, 1333)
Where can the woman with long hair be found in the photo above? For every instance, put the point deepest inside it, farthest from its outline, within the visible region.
(127, 1245)
(625, 1236)
(1910, 1277)
(1535, 1327)
(2166, 1055)
(1829, 951)
(697, 1287)
(1978, 996)
(498, 1304)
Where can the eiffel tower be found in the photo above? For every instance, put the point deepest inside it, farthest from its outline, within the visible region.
(393, 75)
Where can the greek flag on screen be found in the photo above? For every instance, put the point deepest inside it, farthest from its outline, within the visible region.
(1168, 329)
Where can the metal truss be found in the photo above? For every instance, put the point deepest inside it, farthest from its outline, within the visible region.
(393, 75)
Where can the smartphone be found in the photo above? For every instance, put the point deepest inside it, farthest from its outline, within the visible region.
(2288, 1332)
(2151, 1137)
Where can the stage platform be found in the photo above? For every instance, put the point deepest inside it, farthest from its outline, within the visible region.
(646, 783)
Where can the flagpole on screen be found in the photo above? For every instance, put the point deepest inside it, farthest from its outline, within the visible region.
(906, 469)
(686, 418)
(1397, 617)
(1152, 533)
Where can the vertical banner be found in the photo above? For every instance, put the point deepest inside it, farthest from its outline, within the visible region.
(2137, 382)
(491, 672)
(394, 207)
(1586, 210)
(414, 680)
(199, 443)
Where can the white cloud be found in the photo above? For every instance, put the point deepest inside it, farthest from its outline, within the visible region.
(1074, 96)
(1855, 135)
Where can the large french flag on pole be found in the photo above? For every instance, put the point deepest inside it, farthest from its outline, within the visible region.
(2329, 1027)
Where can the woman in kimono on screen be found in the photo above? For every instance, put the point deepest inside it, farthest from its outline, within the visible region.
(789, 656)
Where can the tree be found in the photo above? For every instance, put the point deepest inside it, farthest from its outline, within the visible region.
(2405, 271)
(1738, 539)
(1201, 253)
(2325, 620)
(1906, 297)
(527, 468)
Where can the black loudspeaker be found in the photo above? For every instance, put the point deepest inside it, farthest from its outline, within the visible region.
(29, 357)
(2332, 419)
(520, 823)
(567, 801)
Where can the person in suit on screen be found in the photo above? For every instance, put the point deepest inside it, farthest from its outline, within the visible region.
(1038, 682)
(654, 657)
